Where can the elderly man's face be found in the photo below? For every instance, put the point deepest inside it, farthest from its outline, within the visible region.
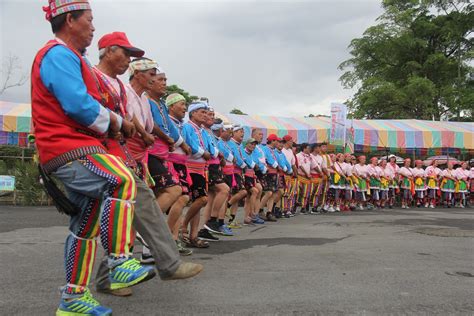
(199, 116)
(258, 135)
(81, 29)
(159, 85)
(225, 134)
(239, 135)
(146, 78)
(251, 147)
(118, 60)
(178, 110)
(210, 118)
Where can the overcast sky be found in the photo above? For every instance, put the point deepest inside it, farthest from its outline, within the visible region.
(263, 57)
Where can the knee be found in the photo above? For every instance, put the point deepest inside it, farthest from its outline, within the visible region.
(203, 200)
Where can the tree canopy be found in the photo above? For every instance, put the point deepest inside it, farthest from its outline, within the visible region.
(237, 111)
(415, 63)
(175, 89)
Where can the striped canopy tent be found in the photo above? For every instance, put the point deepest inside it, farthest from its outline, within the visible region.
(303, 130)
(15, 123)
(403, 136)
(414, 136)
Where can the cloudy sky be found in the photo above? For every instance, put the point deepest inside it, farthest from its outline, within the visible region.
(263, 57)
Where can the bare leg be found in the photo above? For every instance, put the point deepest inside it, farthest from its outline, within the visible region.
(167, 197)
(175, 214)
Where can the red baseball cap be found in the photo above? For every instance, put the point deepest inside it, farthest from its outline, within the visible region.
(120, 39)
(273, 137)
(287, 138)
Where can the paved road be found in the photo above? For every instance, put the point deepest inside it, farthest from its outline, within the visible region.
(391, 262)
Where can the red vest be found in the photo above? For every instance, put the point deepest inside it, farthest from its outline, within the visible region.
(59, 138)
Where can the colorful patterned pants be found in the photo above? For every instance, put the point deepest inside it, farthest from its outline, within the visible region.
(289, 196)
(304, 191)
(105, 190)
(319, 188)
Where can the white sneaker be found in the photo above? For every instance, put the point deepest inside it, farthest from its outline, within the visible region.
(338, 209)
(426, 205)
(331, 210)
(461, 205)
(431, 206)
(325, 208)
(361, 208)
(403, 206)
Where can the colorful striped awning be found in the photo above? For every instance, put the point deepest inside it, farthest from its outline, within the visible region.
(370, 135)
(15, 117)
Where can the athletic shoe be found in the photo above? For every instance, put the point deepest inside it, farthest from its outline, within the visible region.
(84, 305)
(213, 227)
(258, 220)
(204, 234)
(130, 273)
(461, 205)
(315, 212)
(183, 251)
(338, 209)
(147, 258)
(326, 208)
(303, 211)
(234, 225)
(361, 208)
(331, 209)
(432, 206)
(426, 205)
(248, 223)
(225, 231)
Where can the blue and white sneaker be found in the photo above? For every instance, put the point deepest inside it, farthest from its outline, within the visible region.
(130, 273)
(225, 231)
(84, 305)
(258, 220)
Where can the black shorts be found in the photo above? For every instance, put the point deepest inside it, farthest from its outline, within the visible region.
(198, 187)
(250, 183)
(270, 181)
(182, 172)
(228, 180)
(160, 174)
(260, 178)
(215, 175)
(281, 182)
(239, 180)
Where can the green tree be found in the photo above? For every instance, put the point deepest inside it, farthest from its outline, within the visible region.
(415, 63)
(237, 111)
(176, 89)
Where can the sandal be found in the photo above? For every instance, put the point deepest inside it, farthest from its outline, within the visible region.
(184, 236)
(198, 243)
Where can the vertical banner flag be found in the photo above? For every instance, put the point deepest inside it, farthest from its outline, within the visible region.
(338, 124)
(350, 140)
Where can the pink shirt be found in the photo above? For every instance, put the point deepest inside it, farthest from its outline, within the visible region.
(418, 172)
(395, 168)
(406, 172)
(471, 173)
(460, 173)
(290, 157)
(449, 173)
(316, 163)
(389, 172)
(432, 171)
(360, 170)
(372, 171)
(380, 171)
(139, 107)
(304, 162)
(339, 168)
(348, 169)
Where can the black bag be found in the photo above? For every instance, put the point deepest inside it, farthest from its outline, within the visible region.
(62, 203)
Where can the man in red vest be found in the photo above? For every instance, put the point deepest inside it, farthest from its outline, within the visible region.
(70, 123)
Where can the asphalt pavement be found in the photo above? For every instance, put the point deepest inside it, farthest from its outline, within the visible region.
(389, 262)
